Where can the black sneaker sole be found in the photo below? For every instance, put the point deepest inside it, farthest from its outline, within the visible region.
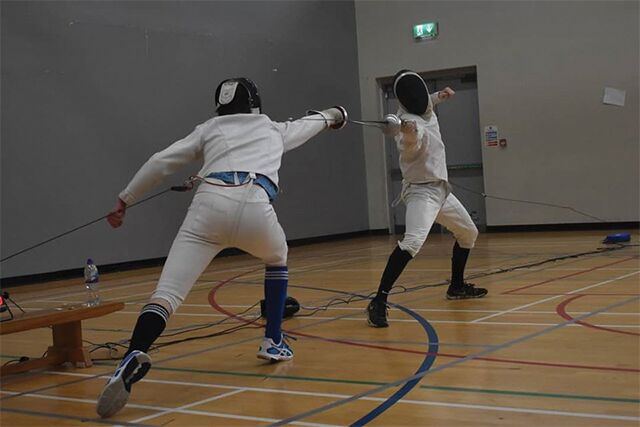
(457, 297)
(376, 325)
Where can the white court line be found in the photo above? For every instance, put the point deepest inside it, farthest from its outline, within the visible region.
(161, 408)
(447, 270)
(362, 319)
(381, 399)
(190, 405)
(107, 288)
(423, 310)
(481, 319)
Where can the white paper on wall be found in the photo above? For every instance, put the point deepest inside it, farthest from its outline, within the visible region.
(613, 96)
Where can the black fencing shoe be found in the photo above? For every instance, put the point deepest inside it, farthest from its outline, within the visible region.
(377, 312)
(465, 291)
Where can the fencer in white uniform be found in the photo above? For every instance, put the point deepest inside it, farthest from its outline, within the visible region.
(426, 193)
(241, 151)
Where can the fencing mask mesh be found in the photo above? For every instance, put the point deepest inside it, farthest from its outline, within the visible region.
(411, 91)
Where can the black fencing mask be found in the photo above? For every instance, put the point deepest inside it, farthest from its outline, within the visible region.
(411, 91)
(236, 96)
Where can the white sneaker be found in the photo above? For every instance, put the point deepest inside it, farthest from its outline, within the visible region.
(269, 350)
(116, 392)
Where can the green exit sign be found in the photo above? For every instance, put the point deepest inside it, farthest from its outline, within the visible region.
(426, 31)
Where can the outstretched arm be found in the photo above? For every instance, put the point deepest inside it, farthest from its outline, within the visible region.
(160, 165)
(297, 132)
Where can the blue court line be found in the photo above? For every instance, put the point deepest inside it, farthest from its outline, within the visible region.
(408, 386)
(422, 369)
(456, 362)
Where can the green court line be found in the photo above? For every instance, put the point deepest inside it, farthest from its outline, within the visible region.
(377, 383)
(532, 394)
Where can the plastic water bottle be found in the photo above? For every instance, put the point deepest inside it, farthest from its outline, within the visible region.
(91, 282)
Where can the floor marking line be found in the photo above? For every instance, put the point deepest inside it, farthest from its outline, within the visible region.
(430, 355)
(427, 363)
(420, 310)
(61, 416)
(624, 276)
(179, 356)
(44, 388)
(378, 410)
(32, 413)
(340, 395)
(148, 407)
(189, 405)
(439, 368)
(561, 309)
(425, 310)
(360, 319)
(577, 273)
(340, 381)
(107, 287)
(206, 349)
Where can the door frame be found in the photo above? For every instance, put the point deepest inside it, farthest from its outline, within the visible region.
(384, 89)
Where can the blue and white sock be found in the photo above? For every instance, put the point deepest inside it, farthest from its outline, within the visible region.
(275, 294)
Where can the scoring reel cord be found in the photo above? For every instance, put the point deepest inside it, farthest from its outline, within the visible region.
(186, 186)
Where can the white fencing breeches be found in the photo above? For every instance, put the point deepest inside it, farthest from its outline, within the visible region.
(429, 203)
(219, 218)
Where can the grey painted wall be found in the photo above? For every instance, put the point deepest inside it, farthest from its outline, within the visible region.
(542, 67)
(91, 89)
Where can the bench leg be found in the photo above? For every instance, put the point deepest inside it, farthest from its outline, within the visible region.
(67, 347)
(67, 344)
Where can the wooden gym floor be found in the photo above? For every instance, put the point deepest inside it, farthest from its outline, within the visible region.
(556, 344)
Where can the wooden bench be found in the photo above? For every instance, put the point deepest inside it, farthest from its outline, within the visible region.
(67, 334)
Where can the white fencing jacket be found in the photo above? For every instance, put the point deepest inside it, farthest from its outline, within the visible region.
(230, 143)
(424, 160)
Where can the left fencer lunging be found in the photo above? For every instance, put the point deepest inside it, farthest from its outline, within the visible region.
(241, 151)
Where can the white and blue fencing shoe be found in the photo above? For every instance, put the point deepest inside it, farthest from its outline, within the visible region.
(116, 392)
(269, 350)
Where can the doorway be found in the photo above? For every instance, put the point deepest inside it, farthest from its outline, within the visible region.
(460, 128)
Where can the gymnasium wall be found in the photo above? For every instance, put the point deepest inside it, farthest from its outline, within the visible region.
(91, 89)
(542, 68)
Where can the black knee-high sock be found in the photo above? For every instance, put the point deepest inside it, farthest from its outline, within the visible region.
(397, 262)
(458, 262)
(151, 322)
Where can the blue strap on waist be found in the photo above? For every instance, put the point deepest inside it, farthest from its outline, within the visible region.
(261, 180)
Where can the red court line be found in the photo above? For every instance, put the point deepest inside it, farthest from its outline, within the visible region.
(561, 309)
(577, 273)
(217, 307)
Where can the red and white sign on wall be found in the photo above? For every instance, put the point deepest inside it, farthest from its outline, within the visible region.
(491, 136)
